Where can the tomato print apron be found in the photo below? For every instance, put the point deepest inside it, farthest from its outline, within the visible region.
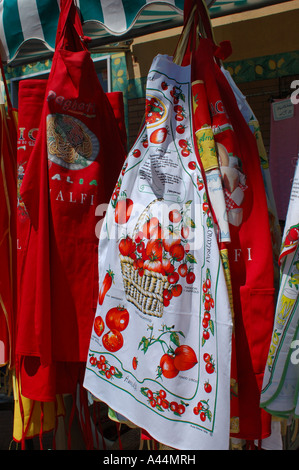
(160, 346)
(279, 394)
(71, 171)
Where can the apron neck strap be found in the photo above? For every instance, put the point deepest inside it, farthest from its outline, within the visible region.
(70, 34)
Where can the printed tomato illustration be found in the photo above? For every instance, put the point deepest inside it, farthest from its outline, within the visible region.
(123, 210)
(135, 362)
(180, 129)
(183, 270)
(159, 136)
(168, 267)
(173, 278)
(183, 143)
(107, 282)
(185, 231)
(113, 340)
(170, 239)
(176, 290)
(136, 153)
(185, 152)
(190, 278)
(154, 249)
(152, 228)
(117, 318)
(126, 246)
(192, 165)
(153, 265)
(167, 366)
(185, 357)
(175, 216)
(207, 387)
(292, 235)
(210, 367)
(177, 252)
(99, 325)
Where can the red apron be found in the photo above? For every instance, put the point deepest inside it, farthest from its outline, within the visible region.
(250, 249)
(73, 169)
(8, 160)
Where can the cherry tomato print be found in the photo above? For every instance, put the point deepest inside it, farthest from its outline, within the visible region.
(192, 165)
(180, 129)
(179, 117)
(176, 290)
(206, 357)
(210, 368)
(173, 278)
(190, 278)
(149, 394)
(208, 387)
(183, 143)
(181, 409)
(167, 294)
(185, 152)
(174, 406)
(206, 335)
(136, 153)
(183, 270)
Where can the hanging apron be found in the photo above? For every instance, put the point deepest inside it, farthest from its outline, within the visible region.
(249, 251)
(254, 126)
(8, 162)
(159, 351)
(279, 395)
(71, 172)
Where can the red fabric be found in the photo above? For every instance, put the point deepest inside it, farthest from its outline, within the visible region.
(117, 103)
(8, 187)
(59, 277)
(250, 249)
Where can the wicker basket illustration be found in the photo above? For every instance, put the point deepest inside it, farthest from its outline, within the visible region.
(146, 291)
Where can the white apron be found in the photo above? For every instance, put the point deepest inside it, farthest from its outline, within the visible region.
(160, 348)
(280, 393)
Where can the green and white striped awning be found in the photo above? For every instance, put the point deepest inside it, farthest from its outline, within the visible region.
(28, 27)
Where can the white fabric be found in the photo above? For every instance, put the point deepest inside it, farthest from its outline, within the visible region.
(281, 379)
(160, 177)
